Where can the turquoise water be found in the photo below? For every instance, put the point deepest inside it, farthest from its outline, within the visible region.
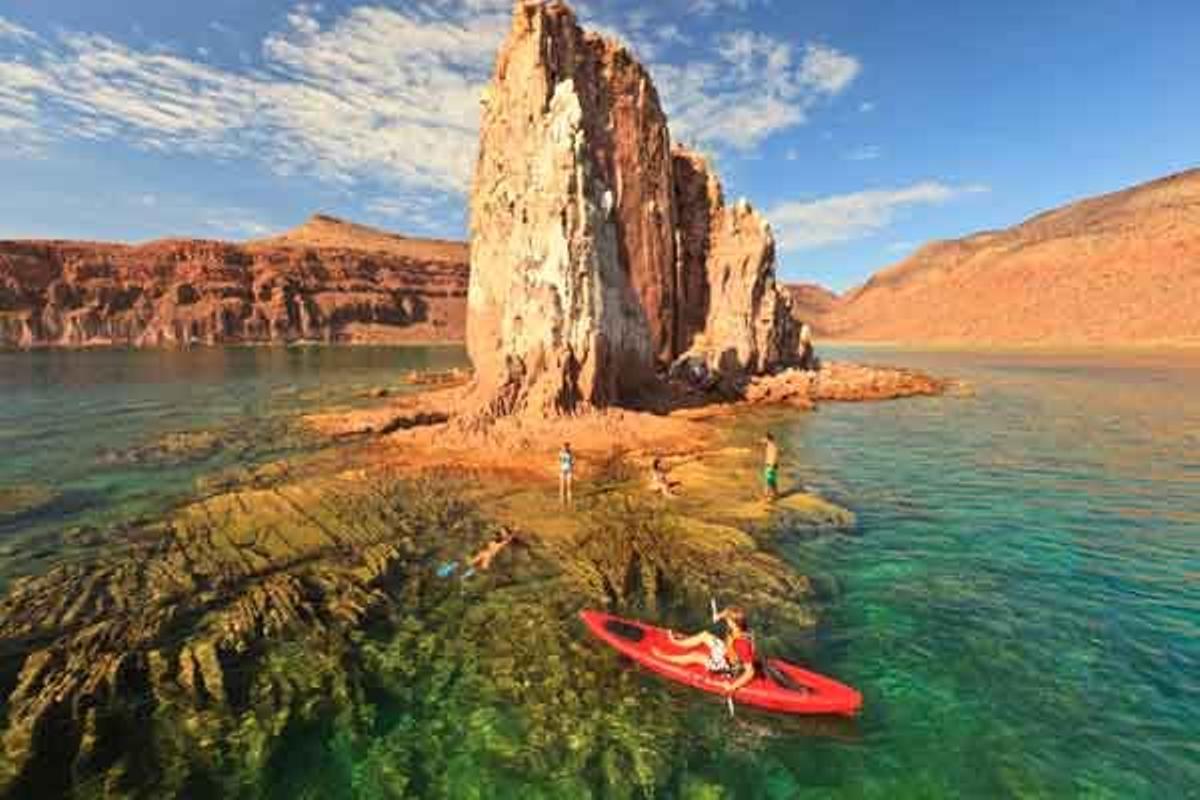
(1020, 602)
(83, 425)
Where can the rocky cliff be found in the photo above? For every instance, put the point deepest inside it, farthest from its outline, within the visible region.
(327, 281)
(1122, 268)
(600, 253)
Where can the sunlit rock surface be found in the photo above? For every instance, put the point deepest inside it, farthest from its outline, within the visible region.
(600, 253)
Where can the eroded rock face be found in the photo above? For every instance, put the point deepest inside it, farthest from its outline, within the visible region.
(599, 255)
(571, 170)
(337, 286)
(727, 269)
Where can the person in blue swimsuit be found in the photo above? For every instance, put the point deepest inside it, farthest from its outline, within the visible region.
(566, 475)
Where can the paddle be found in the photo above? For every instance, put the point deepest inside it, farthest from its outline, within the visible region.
(712, 602)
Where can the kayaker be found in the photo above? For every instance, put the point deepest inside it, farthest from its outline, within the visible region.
(730, 657)
(770, 467)
(566, 475)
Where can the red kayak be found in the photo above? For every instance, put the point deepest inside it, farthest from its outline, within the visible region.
(783, 687)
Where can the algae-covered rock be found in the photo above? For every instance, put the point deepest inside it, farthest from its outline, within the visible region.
(23, 499)
(294, 638)
(173, 448)
(183, 611)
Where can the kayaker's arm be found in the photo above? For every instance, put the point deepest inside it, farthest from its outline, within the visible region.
(741, 680)
(703, 638)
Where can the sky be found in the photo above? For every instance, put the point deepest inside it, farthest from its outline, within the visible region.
(862, 129)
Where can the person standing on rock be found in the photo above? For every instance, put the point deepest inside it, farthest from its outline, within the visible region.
(807, 357)
(770, 468)
(566, 475)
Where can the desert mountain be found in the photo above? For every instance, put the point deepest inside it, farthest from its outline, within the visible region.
(327, 281)
(1121, 268)
(330, 233)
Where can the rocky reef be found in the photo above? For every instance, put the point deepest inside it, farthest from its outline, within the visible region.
(600, 251)
(191, 653)
(327, 281)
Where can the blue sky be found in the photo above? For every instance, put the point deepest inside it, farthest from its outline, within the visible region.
(862, 129)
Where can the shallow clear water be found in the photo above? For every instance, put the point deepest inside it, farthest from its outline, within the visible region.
(69, 419)
(1020, 603)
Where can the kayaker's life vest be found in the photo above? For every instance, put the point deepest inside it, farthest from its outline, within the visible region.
(733, 660)
(743, 649)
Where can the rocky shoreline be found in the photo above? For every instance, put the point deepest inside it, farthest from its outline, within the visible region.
(177, 626)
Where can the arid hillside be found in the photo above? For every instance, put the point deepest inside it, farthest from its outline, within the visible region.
(1122, 268)
(811, 303)
(326, 281)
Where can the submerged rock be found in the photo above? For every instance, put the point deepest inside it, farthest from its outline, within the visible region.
(23, 499)
(196, 650)
(180, 447)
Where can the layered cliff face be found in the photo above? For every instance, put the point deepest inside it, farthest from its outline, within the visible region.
(327, 281)
(1121, 268)
(599, 255)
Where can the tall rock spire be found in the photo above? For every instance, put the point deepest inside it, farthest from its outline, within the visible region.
(591, 270)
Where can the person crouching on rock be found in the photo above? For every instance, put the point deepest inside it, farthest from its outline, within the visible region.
(566, 475)
(659, 482)
(808, 361)
(770, 468)
(731, 657)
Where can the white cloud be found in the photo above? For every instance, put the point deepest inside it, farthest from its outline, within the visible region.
(237, 222)
(842, 218)
(380, 94)
(868, 152)
(828, 70)
(707, 7)
(10, 30)
(385, 96)
(866, 106)
(751, 90)
(429, 213)
(383, 92)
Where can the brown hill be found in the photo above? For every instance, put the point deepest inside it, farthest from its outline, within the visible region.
(1117, 269)
(325, 232)
(326, 281)
(811, 303)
